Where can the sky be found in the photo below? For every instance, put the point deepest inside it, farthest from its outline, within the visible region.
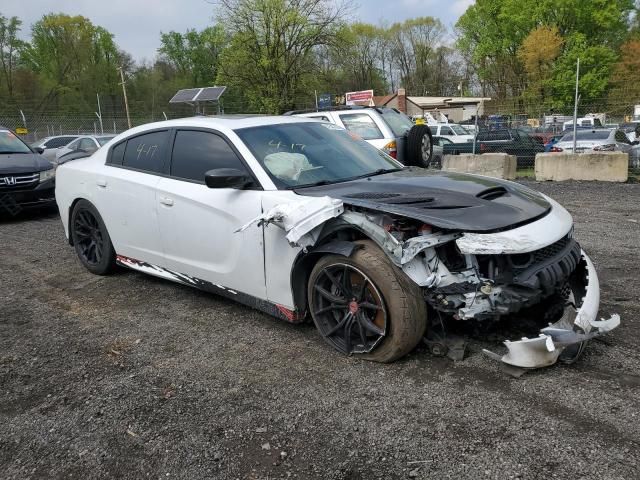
(137, 24)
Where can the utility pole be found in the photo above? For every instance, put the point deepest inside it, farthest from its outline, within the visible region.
(124, 92)
(575, 109)
(99, 114)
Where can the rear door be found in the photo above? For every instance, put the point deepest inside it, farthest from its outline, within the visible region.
(198, 224)
(126, 195)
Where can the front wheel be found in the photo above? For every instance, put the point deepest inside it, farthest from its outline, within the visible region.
(363, 305)
(91, 239)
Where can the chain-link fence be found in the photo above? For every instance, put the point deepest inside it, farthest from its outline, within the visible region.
(513, 127)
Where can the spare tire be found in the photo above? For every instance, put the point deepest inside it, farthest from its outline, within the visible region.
(419, 146)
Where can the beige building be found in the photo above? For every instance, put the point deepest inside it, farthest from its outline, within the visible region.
(456, 109)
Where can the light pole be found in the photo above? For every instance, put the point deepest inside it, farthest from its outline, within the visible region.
(99, 114)
(575, 109)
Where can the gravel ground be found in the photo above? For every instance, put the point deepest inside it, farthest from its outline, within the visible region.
(128, 376)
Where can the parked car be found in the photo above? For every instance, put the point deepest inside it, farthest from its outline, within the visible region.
(75, 155)
(629, 129)
(385, 128)
(596, 140)
(438, 150)
(511, 141)
(85, 143)
(50, 145)
(27, 180)
(455, 133)
(299, 218)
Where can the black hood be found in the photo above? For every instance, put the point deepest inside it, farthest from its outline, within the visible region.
(452, 201)
(11, 163)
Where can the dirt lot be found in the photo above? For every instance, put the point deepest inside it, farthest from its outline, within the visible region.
(132, 377)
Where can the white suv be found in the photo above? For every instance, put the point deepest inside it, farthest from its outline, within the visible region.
(385, 128)
(454, 132)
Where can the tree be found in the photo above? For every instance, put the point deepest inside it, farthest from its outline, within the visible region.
(270, 56)
(625, 79)
(10, 46)
(195, 55)
(72, 58)
(538, 52)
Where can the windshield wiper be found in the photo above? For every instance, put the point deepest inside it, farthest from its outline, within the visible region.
(380, 171)
(11, 152)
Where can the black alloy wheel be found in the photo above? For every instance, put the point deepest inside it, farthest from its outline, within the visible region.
(91, 240)
(88, 237)
(349, 310)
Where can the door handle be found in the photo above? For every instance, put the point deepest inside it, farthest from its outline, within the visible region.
(101, 183)
(166, 201)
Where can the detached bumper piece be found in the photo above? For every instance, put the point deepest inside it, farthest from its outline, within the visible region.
(565, 339)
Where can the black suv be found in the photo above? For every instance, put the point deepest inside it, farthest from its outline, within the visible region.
(27, 180)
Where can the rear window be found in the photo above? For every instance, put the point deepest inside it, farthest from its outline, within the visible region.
(587, 135)
(103, 140)
(459, 130)
(146, 152)
(398, 122)
(362, 125)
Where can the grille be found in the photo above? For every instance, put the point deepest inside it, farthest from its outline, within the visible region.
(20, 180)
(550, 251)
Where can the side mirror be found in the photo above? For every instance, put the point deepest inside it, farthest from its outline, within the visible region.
(227, 178)
(635, 142)
(39, 150)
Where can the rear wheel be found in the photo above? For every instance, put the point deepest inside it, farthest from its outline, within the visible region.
(363, 305)
(91, 239)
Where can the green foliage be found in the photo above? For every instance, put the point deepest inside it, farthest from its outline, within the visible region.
(10, 46)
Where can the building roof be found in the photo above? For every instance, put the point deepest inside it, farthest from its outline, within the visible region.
(443, 102)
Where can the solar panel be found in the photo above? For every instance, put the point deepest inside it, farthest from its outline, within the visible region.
(210, 94)
(186, 95)
(206, 94)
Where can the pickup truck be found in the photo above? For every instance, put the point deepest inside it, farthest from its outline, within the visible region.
(511, 141)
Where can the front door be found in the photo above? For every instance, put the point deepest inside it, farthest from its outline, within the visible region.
(198, 224)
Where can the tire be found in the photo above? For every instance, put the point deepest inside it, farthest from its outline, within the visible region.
(419, 146)
(401, 312)
(91, 240)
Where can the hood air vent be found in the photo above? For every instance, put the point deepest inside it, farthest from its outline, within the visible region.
(492, 193)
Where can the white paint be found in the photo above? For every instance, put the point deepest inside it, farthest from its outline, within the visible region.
(527, 238)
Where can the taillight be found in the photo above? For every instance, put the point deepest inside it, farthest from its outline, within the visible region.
(555, 149)
(483, 148)
(391, 149)
(605, 148)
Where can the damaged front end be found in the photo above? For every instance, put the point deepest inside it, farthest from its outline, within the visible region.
(480, 277)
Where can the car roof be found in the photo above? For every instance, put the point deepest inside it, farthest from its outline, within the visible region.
(231, 122)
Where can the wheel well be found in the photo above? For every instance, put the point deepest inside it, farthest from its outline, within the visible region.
(71, 207)
(337, 242)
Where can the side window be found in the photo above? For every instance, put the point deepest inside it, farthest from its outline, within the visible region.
(196, 152)
(88, 145)
(621, 137)
(57, 142)
(73, 146)
(446, 131)
(117, 154)
(362, 125)
(434, 130)
(146, 152)
(321, 117)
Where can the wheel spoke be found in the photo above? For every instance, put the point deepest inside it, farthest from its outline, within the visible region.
(363, 336)
(329, 308)
(347, 286)
(363, 290)
(339, 325)
(347, 331)
(329, 296)
(333, 279)
(369, 325)
(370, 306)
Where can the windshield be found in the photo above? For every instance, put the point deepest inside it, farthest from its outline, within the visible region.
(305, 154)
(587, 135)
(398, 122)
(458, 130)
(103, 140)
(9, 143)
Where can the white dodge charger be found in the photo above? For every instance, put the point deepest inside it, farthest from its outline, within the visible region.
(301, 218)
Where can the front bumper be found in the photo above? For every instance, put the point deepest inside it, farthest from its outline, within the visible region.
(566, 338)
(13, 201)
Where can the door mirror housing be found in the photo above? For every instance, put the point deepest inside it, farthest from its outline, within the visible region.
(227, 178)
(39, 150)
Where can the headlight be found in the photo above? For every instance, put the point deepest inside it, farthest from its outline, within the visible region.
(47, 174)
